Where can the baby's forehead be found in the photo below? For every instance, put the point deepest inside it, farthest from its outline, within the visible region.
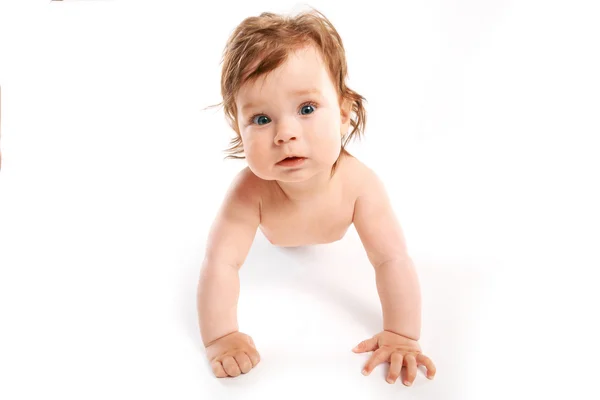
(246, 102)
(299, 63)
(302, 73)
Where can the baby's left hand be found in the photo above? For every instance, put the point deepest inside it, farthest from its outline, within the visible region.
(398, 351)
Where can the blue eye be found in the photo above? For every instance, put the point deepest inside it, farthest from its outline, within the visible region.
(260, 119)
(308, 108)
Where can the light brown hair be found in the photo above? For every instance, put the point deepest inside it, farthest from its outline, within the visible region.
(260, 44)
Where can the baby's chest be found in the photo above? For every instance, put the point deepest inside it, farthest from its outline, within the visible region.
(312, 224)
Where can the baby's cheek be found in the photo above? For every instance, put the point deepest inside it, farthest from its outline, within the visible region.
(334, 146)
(253, 161)
(257, 163)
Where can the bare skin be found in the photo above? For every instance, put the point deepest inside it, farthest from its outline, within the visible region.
(321, 219)
(232, 355)
(318, 220)
(302, 205)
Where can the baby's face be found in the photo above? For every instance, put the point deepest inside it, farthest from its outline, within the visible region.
(292, 111)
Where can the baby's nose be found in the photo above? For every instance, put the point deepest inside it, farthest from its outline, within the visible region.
(286, 132)
(282, 138)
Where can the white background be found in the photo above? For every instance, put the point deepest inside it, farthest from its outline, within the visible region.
(483, 122)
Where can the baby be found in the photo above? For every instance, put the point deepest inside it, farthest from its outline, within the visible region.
(284, 95)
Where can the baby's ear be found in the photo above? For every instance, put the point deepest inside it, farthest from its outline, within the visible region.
(345, 110)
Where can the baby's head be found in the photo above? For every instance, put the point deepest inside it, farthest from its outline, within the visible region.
(284, 94)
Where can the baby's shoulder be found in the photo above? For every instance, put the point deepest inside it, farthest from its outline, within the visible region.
(357, 176)
(247, 185)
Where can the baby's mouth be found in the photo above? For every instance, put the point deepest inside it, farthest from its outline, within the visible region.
(291, 160)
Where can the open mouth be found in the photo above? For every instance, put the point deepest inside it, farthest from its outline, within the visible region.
(291, 161)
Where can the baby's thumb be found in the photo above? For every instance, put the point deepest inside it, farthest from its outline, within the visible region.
(366, 345)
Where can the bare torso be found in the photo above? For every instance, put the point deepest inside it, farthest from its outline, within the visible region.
(324, 219)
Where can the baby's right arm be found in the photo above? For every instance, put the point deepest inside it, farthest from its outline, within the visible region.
(229, 241)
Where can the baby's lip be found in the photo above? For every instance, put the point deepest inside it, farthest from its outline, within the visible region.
(290, 156)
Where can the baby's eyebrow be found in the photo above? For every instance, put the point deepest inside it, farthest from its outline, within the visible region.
(296, 93)
(305, 91)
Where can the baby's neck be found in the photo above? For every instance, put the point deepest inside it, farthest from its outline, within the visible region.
(302, 192)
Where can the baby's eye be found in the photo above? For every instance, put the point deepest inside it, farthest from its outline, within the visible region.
(260, 119)
(307, 109)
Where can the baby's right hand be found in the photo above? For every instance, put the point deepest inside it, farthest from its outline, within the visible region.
(232, 355)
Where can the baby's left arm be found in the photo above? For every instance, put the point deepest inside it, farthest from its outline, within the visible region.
(384, 243)
(397, 283)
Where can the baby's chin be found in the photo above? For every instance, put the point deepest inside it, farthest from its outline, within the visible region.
(289, 177)
(284, 175)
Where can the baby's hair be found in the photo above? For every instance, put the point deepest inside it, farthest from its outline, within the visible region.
(258, 45)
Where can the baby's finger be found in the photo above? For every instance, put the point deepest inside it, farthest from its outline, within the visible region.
(218, 370)
(411, 369)
(395, 367)
(378, 357)
(424, 360)
(243, 362)
(366, 345)
(254, 357)
(231, 366)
